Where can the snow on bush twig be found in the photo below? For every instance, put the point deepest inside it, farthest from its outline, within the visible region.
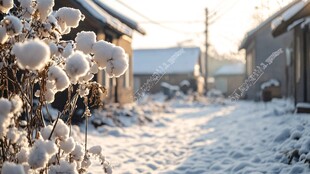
(35, 64)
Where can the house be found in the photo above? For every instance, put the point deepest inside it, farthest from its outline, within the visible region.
(229, 77)
(259, 45)
(111, 26)
(296, 20)
(171, 65)
(213, 64)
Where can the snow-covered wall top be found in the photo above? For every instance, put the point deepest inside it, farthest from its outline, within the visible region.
(232, 69)
(147, 61)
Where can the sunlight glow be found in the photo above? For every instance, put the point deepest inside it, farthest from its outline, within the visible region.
(232, 19)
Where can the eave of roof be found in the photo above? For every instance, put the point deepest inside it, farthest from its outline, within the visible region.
(106, 18)
(297, 18)
(129, 22)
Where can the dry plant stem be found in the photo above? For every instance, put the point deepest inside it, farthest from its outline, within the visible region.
(19, 87)
(42, 97)
(7, 85)
(86, 127)
(28, 126)
(67, 106)
(58, 156)
(32, 120)
(48, 113)
(72, 107)
(69, 99)
(49, 138)
(24, 97)
(86, 120)
(3, 150)
(2, 78)
(42, 118)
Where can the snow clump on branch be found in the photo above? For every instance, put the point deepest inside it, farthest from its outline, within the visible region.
(6, 5)
(85, 41)
(32, 54)
(76, 66)
(111, 57)
(68, 17)
(45, 8)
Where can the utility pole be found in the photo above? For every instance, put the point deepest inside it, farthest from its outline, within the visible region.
(206, 51)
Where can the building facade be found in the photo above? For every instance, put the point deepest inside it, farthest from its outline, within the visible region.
(297, 22)
(173, 65)
(229, 78)
(259, 44)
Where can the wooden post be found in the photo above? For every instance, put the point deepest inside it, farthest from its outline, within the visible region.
(206, 51)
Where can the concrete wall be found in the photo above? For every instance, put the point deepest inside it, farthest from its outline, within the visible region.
(227, 84)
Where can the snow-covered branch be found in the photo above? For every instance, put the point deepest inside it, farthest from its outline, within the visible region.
(35, 64)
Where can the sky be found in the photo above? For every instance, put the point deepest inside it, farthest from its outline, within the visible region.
(229, 20)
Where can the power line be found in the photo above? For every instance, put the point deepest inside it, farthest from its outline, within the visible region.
(221, 14)
(150, 20)
(213, 16)
(214, 11)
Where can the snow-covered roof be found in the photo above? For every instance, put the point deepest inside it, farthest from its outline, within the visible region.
(231, 69)
(250, 35)
(291, 18)
(105, 17)
(147, 61)
(131, 23)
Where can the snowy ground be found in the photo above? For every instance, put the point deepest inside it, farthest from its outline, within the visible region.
(236, 138)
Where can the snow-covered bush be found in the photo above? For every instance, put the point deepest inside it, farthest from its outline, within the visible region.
(32, 53)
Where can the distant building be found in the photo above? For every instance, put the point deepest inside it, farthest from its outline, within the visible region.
(174, 64)
(296, 20)
(213, 64)
(228, 78)
(259, 45)
(111, 26)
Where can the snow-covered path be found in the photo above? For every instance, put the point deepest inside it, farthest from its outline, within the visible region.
(211, 139)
